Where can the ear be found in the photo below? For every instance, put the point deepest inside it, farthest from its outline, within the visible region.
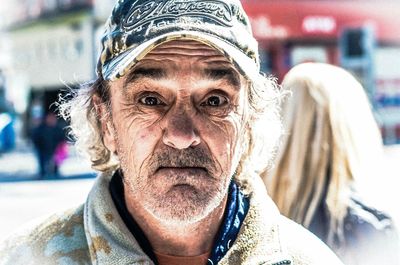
(107, 128)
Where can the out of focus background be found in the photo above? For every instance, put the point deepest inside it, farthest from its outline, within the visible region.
(49, 45)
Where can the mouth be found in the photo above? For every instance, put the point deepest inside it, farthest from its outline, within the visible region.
(188, 171)
(182, 181)
(182, 174)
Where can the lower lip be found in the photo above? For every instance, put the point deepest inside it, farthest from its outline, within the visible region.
(182, 178)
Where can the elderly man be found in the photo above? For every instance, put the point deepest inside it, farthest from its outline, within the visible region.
(178, 122)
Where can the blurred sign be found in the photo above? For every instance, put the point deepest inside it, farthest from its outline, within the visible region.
(387, 94)
(262, 28)
(304, 54)
(322, 19)
(319, 24)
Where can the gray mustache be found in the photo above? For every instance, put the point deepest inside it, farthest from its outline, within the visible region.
(190, 157)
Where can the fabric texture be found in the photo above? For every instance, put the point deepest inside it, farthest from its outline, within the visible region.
(94, 233)
(175, 260)
(370, 236)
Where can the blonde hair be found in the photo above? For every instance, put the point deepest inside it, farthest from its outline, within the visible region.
(263, 126)
(332, 140)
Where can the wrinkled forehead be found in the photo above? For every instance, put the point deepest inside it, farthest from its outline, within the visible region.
(184, 54)
(193, 50)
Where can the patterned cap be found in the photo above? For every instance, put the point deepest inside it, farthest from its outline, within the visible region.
(135, 27)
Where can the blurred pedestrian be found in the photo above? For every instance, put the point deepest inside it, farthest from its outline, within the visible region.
(332, 141)
(7, 119)
(60, 154)
(7, 132)
(46, 138)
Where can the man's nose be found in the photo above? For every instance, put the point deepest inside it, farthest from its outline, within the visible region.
(180, 132)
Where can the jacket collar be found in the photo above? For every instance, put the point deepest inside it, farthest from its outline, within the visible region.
(109, 239)
(259, 240)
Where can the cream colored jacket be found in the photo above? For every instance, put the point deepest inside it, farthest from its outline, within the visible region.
(94, 233)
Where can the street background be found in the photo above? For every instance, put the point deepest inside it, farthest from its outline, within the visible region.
(48, 45)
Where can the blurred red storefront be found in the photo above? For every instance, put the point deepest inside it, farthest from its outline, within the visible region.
(291, 32)
(284, 25)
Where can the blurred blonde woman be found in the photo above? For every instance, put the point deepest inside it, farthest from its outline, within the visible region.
(331, 141)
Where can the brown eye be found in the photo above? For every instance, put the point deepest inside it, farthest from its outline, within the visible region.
(215, 101)
(151, 101)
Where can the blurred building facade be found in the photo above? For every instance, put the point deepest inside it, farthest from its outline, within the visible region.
(54, 44)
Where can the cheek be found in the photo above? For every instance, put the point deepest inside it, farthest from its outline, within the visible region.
(146, 139)
(138, 140)
(228, 131)
(221, 137)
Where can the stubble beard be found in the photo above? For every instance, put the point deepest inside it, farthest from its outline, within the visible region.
(184, 206)
(180, 205)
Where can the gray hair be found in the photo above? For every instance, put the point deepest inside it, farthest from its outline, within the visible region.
(262, 129)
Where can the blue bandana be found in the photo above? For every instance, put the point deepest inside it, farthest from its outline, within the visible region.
(236, 210)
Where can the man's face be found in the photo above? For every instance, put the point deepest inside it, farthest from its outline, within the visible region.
(176, 122)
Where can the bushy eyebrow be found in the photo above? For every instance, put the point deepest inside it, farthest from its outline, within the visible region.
(229, 74)
(214, 73)
(145, 72)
